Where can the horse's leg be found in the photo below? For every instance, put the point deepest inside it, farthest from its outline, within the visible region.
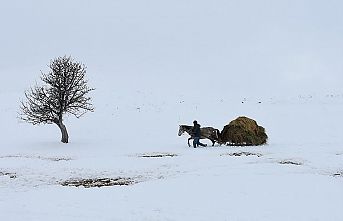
(188, 141)
(213, 142)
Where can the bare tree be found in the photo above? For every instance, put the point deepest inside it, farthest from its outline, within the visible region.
(64, 92)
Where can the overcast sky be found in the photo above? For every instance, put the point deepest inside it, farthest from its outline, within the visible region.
(267, 46)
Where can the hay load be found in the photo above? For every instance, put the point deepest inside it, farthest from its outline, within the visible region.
(244, 132)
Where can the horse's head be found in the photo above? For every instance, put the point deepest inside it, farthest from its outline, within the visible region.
(181, 130)
(185, 128)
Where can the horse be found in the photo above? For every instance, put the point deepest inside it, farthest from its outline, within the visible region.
(210, 133)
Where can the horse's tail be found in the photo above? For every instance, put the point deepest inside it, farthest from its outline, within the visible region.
(218, 135)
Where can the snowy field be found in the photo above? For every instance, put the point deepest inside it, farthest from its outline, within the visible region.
(156, 65)
(195, 184)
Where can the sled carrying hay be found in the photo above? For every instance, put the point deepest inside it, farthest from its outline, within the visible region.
(244, 132)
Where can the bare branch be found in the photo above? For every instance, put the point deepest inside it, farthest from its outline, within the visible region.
(65, 92)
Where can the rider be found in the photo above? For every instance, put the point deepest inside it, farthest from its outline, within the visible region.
(197, 134)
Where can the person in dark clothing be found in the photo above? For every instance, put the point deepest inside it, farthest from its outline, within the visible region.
(197, 134)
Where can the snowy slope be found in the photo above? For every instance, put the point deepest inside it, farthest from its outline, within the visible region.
(156, 65)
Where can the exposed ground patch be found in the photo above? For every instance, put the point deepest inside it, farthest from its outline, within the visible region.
(291, 162)
(338, 174)
(157, 155)
(240, 154)
(99, 182)
(10, 175)
(55, 158)
(38, 157)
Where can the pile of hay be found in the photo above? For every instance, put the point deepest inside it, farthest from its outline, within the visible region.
(244, 132)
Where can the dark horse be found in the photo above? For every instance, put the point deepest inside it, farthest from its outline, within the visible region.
(206, 133)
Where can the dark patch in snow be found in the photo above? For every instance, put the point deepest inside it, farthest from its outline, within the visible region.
(10, 175)
(338, 174)
(156, 155)
(55, 158)
(38, 157)
(99, 182)
(290, 162)
(239, 154)
(12, 156)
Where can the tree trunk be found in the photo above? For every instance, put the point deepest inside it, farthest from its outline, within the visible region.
(65, 137)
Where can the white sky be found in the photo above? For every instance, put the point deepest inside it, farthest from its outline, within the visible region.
(251, 46)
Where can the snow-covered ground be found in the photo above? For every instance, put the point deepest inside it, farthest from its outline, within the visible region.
(196, 184)
(158, 64)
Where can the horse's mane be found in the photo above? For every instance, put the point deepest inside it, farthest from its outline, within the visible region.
(186, 126)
